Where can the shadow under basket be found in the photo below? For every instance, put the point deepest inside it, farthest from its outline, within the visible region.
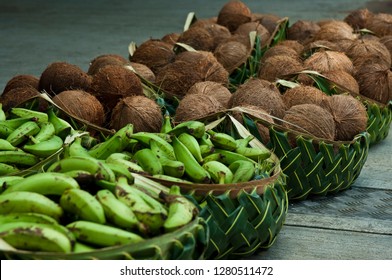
(186, 243)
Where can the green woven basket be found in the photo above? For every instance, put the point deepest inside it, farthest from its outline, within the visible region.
(186, 243)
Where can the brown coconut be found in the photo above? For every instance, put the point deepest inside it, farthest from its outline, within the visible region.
(103, 60)
(343, 79)
(375, 82)
(144, 113)
(279, 67)
(214, 89)
(325, 61)
(218, 32)
(245, 28)
(310, 119)
(365, 51)
(380, 24)
(261, 93)
(153, 53)
(387, 41)
(171, 38)
(335, 31)
(349, 114)
(293, 44)
(15, 96)
(231, 54)
(60, 76)
(233, 14)
(143, 71)
(321, 45)
(198, 38)
(81, 104)
(269, 21)
(303, 94)
(303, 31)
(280, 50)
(196, 106)
(113, 82)
(358, 18)
(21, 81)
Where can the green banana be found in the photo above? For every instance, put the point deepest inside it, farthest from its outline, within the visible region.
(14, 123)
(243, 171)
(35, 237)
(22, 202)
(206, 150)
(81, 176)
(192, 144)
(7, 181)
(2, 113)
(45, 183)
(244, 142)
(195, 128)
(7, 169)
(80, 247)
(5, 131)
(18, 157)
(121, 170)
(27, 113)
(45, 148)
(117, 212)
(129, 165)
(102, 235)
(26, 217)
(212, 157)
(205, 140)
(115, 156)
(170, 167)
(160, 151)
(148, 161)
(161, 140)
(75, 148)
(171, 178)
(83, 204)
(22, 133)
(192, 167)
(222, 140)
(62, 127)
(219, 172)
(256, 154)
(181, 210)
(46, 132)
(167, 124)
(6, 146)
(100, 170)
(228, 157)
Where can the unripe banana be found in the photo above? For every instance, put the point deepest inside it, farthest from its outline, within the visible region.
(228, 157)
(256, 154)
(75, 148)
(121, 170)
(102, 235)
(131, 166)
(18, 157)
(6, 146)
(51, 183)
(243, 171)
(25, 202)
(45, 148)
(148, 161)
(35, 237)
(195, 128)
(83, 204)
(170, 167)
(166, 125)
(244, 142)
(62, 127)
(27, 113)
(146, 137)
(219, 172)
(15, 123)
(9, 180)
(192, 167)
(22, 133)
(205, 140)
(171, 178)
(46, 132)
(117, 212)
(2, 113)
(82, 248)
(191, 143)
(160, 151)
(5, 131)
(26, 217)
(6, 169)
(222, 140)
(206, 150)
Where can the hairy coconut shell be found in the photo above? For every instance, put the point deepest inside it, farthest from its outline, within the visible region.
(60, 76)
(349, 114)
(375, 82)
(233, 14)
(81, 104)
(245, 28)
(365, 51)
(358, 18)
(261, 93)
(310, 119)
(198, 38)
(231, 54)
(280, 50)
(218, 32)
(153, 53)
(113, 82)
(279, 67)
(343, 79)
(15, 96)
(171, 38)
(334, 31)
(321, 45)
(293, 44)
(103, 60)
(269, 21)
(196, 106)
(303, 94)
(144, 113)
(387, 41)
(303, 31)
(380, 24)
(143, 71)
(214, 89)
(325, 61)
(22, 80)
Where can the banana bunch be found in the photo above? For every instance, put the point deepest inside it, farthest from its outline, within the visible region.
(28, 136)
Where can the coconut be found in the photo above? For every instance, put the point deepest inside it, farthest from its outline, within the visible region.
(321, 45)
(279, 50)
(325, 61)
(142, 112)
(303, 31)
(303, 94)
(153, 53)
(15, 96)
(231, 54)
(375, 82)
(279, 67)
(261, 93)
(233, 14)
(218, 32)
(196, 106)
(60, 76)
(143, 71)
(214, 89)
(171, 38)
(203, 22)
(335, 30)
(113, 82)
(380, 24)
(245, 28)
(81, 104)
(365, 51)
(269, 21)
(343, 79)
(293, 44)
(349, 114)
(21, 81)
(357, 19)
(310, 119)
(198, 38)
(387, 41)
(105, 59)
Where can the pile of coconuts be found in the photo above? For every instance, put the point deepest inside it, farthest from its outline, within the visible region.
(192, 69)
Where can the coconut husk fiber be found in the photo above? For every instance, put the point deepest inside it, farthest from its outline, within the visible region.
(358, 18)
(113, 82)
(233, 14)
(231, 54)
(380, 24)
(387, 41)
(171, 38)
(144, 113)
(280, 50)
(260, 93)
(59, 76)
(15, 96)
(219, 33)
(196, 106)
(303, 94)
(198, 38)
(335, 31)
(349, 114)
(214, 89)
(293, 44)
(325, 61)
(343, 79)
(81, 104)
(143, 71)
(245, 28)
(303, 31)
(279, 67)
(21, 81)
(269, 21)
(105, 59)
